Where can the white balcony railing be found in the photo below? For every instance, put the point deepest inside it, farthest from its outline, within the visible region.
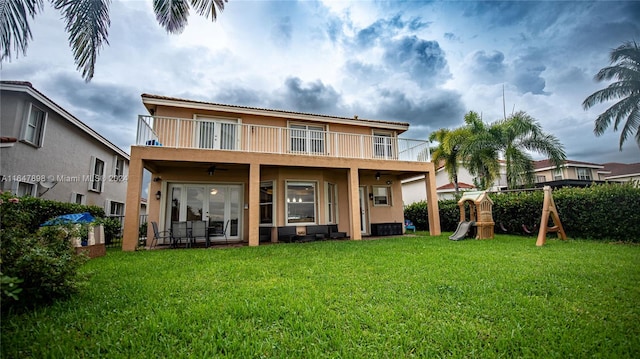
(230, 136)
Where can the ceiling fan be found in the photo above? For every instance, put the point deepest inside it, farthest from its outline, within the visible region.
(212, 169)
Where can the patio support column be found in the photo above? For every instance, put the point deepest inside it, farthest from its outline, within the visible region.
(254, 204)
(354, 203)
(132, 204)
(432, 202)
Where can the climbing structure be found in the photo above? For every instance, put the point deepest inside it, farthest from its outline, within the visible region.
(480, 212)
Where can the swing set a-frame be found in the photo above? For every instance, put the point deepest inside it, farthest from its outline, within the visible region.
(549, 209)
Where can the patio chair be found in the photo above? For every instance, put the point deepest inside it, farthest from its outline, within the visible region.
(219, 231)
(180, 231)
(157, 235)
(199, 230)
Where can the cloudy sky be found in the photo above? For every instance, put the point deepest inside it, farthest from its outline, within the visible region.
(426, 63)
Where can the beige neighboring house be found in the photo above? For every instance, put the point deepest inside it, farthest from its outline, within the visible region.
(248, 171)
(580, 174)
(47, 152)
(413, 188)
(623, 172)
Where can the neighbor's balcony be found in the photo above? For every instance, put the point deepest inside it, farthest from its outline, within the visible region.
(230, 136)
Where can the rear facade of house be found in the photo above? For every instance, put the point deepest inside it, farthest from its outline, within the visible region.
(247, 171)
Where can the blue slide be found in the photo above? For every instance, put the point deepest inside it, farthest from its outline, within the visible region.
(461, 231)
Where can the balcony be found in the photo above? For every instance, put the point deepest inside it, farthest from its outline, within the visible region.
(231, 136)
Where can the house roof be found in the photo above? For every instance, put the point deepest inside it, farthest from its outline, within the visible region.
(622, 169)
(547, 164)
(150, 100)
(461, 185)
(27, 87)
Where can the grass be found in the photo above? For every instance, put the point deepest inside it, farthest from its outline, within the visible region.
(396, 297)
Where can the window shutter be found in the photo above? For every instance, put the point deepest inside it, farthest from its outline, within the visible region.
(73, 197)
(92, 169)
(107, 207)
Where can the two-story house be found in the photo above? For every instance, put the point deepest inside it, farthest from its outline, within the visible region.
(243, 169)
(47, 152)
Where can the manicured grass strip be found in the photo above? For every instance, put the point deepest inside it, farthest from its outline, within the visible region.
(395, 297)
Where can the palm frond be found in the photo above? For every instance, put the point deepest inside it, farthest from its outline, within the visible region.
(631, 126)
(628, 50)
(208, 8)
(15, 31)
(87, 22)
(619, 72)
(172, 14)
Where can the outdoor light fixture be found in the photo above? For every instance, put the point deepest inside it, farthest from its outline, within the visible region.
(158, 194)
(377, 176)
(371, 196)
(211, 170)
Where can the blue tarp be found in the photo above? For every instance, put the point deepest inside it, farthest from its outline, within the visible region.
(85, 217)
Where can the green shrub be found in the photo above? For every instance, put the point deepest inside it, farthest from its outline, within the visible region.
(112, 229)
(605, 211)
(40, 265)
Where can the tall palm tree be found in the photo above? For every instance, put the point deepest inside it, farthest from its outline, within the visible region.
(87, 23)
(518, 134)
(625, 68)
(448, 152)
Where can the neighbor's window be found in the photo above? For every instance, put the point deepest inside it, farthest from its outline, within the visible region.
(116, 208)
(301, 202)
(583, 173)
(34, 128)
(381, 196)
(118, 169)
(78, 198)
(557, 175)
(540, 179)
(306, 138)
(266, 203)
(25, 189)
(97, 174)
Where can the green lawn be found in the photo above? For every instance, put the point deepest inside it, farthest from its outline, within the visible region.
(415, 296)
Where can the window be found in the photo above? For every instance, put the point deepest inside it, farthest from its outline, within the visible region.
(307, 139)
(381, 196)
(301, 202)
(97, 174)
(25, 189)
(540, 179)
(218, 135)
(557, 175)
(382, 147)
(115, 208)
(266, 203)
(118, 168)
(331, 203)
(78, 198)
(583, 173)
(34, 128)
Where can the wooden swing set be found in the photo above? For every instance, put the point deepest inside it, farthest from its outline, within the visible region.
(549, 209)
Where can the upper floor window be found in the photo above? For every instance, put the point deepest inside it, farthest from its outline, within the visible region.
(541, 178)
(382, 145)
(583, 173)
(96, 180)
(34, 126)
(217, 134)
(307, 138)
(118, 168)
(557, 174)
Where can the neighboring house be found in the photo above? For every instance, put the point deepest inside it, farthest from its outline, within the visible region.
(413, 189)
(622, 172)
(582, 174)
(47, 152)
(243, 170)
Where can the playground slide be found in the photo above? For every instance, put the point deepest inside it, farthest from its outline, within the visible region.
(461, 231)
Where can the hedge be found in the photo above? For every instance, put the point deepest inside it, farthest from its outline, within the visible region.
(601, 212)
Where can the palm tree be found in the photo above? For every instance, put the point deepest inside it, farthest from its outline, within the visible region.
(448, 151)
(518, 134)
(625, 68)
(87, 23)
(480, 151)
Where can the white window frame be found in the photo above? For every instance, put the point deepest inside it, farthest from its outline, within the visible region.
(583, 173)
(291, 200)
(215, 130)
(331, 202)
(383, 140)
(38, 129)
(309, 134)
(74, 198)
(108, 205)
(541, 178)
(96, 181)
(557, 174)
(272, 203)
(15, 187)
(118, 168)
(377, 198)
